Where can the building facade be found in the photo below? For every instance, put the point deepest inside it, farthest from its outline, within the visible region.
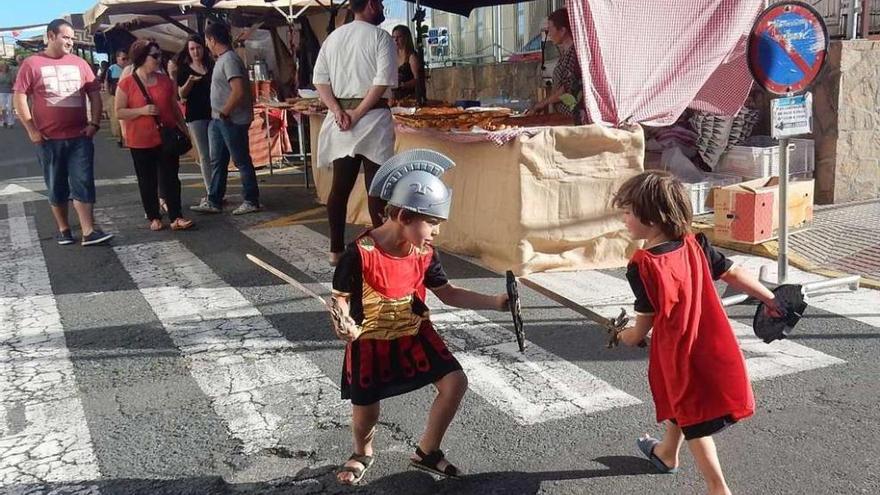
(490, 34)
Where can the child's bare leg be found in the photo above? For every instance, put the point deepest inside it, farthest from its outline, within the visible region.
(706, 457)
(363, 422)
(668, 448)
(450, 390)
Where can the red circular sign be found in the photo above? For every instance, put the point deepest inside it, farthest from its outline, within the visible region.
(787, 47)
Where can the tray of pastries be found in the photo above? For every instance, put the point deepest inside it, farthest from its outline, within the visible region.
(304, 105)
(488, 120)
(447, 119)
(518, 121)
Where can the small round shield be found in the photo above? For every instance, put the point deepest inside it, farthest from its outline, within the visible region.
(790, 300)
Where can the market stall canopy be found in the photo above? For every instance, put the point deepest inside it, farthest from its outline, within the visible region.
(646, 62)
(461, 7)
(38, 42)
(169, 37)
(22, 28)
(93, 16)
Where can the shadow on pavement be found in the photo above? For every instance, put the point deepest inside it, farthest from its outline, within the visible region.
(322, 481)
(505, 482)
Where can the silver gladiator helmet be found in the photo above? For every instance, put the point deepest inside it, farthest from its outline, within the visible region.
(411, 180)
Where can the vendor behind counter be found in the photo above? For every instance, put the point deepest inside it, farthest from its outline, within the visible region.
(409, 67)
(567, 94)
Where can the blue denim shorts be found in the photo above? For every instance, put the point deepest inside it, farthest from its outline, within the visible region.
(68, 169)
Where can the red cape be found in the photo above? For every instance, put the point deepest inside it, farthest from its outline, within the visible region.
(696, 369)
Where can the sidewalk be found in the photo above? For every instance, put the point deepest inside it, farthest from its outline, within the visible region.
(842, 240)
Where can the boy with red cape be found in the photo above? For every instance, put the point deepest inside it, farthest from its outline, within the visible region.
(696, 369)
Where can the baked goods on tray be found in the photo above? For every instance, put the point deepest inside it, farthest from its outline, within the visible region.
(446, 119)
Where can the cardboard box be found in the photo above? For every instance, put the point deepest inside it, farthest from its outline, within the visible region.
(747, 212)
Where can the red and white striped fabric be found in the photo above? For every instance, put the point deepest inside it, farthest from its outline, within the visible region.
(647, 61)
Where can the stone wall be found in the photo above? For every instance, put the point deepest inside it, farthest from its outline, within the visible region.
(519, 80)
(847, 123)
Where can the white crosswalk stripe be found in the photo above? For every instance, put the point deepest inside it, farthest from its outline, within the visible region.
(44, 437)
(532, 388)
(261, 384)
(606, 294)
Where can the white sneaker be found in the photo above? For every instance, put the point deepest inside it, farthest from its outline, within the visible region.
(245, 208)
(205, 207)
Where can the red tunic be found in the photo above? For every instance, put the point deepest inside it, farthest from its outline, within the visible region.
(696, 369)
(399, 351)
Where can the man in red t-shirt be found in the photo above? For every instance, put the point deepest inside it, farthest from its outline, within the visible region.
(57, 84)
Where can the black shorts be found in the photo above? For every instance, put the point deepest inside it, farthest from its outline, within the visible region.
(706, 428)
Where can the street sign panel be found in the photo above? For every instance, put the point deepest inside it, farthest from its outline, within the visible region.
(787, 47)
(438, 36)
(791, 116)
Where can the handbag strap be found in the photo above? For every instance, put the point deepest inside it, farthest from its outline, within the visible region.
(146, 96)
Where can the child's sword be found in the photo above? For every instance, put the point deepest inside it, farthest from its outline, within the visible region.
(332, 306)
(612, 325)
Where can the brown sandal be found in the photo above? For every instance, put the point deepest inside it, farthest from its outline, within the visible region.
(156, 225)
(182, 224)
(364, 460)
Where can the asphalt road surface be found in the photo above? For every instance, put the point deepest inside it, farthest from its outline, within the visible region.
(167, 363)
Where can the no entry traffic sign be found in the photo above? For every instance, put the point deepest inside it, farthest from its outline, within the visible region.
(787, 47)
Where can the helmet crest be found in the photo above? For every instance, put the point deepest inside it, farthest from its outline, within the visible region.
(411, 180)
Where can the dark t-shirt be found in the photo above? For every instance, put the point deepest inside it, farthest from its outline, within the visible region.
(198, 101)
(718, 264)
(348, 279)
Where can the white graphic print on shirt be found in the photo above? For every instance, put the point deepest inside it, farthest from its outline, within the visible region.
(63, 85)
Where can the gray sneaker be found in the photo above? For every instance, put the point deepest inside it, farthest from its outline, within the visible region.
(205, 207)
(247, 207)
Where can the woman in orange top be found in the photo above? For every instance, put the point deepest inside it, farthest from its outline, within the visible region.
(143, 117)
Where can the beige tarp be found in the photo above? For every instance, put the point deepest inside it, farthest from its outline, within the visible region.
(91, 16)
(535, 204)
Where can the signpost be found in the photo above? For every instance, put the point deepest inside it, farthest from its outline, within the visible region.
(787, 49)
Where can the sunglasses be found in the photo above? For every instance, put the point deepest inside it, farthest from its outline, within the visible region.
(156, 55)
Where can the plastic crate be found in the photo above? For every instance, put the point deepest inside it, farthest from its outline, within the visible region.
(802, 158)
(755, 162)
(700, 192)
